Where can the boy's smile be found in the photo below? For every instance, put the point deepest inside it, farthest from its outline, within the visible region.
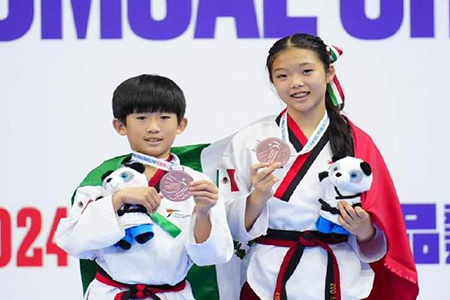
(151, 133)
(153, 141)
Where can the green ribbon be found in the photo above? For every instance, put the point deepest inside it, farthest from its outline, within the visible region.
(165, 224)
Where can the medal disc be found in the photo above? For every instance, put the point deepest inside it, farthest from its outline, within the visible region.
(175, 185)
(273, 150)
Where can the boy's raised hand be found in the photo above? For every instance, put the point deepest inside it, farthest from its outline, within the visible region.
(205, 195)
(146, 196)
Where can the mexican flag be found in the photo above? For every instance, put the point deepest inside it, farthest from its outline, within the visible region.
(202, 279)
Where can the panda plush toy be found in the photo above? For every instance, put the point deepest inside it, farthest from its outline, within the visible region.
(347, 178)
(134, 218)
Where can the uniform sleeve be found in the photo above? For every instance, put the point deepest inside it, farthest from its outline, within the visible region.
(218, 248)
(92, 224)
(235, 186)
(370, 251)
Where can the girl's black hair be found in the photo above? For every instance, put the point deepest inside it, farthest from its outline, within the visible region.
(146, 94)
(339, 131)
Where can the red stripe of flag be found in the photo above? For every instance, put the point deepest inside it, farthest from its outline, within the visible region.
(234, 186)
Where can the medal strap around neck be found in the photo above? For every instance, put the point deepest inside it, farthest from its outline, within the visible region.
(314, 138)
(156, 162)
(284, 127)
(165, 165)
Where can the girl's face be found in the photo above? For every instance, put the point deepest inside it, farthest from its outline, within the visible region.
(300, 80)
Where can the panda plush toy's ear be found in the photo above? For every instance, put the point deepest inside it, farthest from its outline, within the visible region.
(337, 157)
(106, 174)
(323, 175)
(136, 166)
(365, 167)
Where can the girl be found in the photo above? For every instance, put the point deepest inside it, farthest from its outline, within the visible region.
(279, 205)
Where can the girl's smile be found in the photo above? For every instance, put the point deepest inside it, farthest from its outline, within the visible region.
(300, 80)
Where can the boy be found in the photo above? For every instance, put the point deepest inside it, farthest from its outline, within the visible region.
(149, 111)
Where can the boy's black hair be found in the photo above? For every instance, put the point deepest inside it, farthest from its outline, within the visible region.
(146, 94)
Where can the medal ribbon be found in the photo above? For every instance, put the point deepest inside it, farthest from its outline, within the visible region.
(165, 224)
(284, 127)
(315, 137)
(304, 160)
(165, 165)
(155, 162)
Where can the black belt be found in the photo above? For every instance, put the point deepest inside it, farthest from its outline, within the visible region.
(296, 241)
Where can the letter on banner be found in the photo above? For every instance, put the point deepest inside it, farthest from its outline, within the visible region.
(420, 219)
(111, 19)
(173, 25)
(52, 14)
(19, 20)
(243, 11)
(447, 232)
(358, 25)
(277, 24)
(422, 18)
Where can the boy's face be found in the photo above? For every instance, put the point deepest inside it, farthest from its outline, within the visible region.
(151, 133)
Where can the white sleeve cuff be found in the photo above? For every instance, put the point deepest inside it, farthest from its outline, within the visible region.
(218, 248)
(236, 219)
(372, 250)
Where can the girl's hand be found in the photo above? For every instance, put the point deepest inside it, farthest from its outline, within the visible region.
(357, 221)
(146, 196)
(263, 180)
(205, 195)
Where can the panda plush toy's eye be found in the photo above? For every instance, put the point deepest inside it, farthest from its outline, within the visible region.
(355, 176)
(126, 176)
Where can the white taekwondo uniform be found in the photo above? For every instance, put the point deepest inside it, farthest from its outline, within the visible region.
(92, 229)
(298, 211)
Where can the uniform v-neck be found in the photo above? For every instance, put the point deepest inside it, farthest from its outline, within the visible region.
(296, 135)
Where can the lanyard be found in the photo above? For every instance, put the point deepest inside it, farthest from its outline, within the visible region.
(165, 165)
(156, 162)
(315, 137)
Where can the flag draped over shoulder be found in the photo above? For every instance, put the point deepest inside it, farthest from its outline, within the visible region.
(395, 274)
(203, 280)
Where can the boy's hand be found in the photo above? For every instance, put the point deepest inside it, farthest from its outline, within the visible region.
(146, 196)
(357, 221)
(263, 180)
(205, 195)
